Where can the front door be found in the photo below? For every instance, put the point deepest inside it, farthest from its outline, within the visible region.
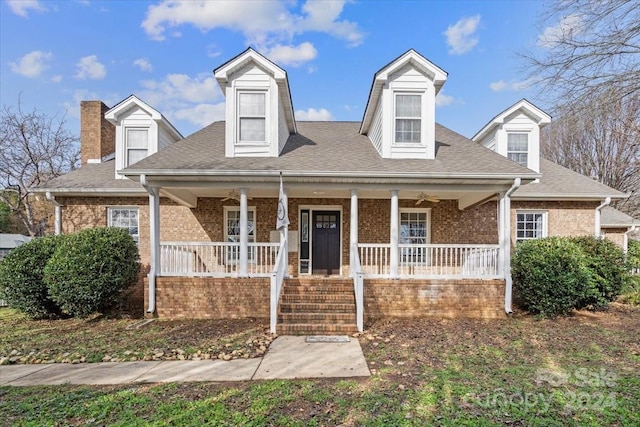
(325, 237)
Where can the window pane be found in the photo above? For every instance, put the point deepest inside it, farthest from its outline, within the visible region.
(408, 106)
(125, 218)
(529, 226)
(252, 104)
(520, 158)
(408, 130)
(137, 138)
(136, 155)
(252, 129)
(517, 141)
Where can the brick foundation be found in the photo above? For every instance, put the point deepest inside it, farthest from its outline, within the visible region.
(211, 298)
(434, 298)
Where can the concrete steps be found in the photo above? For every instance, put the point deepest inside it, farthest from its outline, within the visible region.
(317, 306)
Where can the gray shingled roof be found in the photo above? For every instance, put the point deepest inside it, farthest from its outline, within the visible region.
(329, 147)
(612, 217)
(92, 177)
(560, 182)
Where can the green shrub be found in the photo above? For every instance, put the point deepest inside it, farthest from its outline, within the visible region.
(633, 253)
(91, 269)
(550, 276)
(609, 271)
(21, 278)
(630, 293)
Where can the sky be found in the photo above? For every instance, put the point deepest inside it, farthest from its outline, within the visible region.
(53, 54)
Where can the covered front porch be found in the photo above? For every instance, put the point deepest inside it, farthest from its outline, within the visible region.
(433, 230)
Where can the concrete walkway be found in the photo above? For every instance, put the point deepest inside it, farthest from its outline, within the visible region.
(287, 357)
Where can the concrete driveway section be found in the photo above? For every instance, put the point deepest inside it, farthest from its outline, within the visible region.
(16, 372)
(205, 370)
(86, 373)
(293, 357)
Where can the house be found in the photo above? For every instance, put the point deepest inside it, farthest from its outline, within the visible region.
(616, 226)
(395, 215)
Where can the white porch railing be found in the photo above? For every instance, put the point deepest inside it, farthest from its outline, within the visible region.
(426, 261)
(277, 277)
(358, 288)
(215, 259)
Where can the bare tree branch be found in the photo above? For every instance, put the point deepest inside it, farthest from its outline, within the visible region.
(33, 150)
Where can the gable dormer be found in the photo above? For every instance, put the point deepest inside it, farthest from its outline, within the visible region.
(515, 133)
(400, 115)
(140, 131)
(259, 111)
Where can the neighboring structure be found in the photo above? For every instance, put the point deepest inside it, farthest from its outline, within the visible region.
(8, 242)
(395, 215)
(616, 226)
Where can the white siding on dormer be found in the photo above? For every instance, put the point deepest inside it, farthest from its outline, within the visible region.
(283, 129)
(134, 118)
(164, 138)
(375, 132)
(408, 80)
(252, 78)
(489, 142)
(519, 122)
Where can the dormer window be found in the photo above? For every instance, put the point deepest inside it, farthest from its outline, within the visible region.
(518, 148)
(408, 118)
(252, 117)
(137, 144)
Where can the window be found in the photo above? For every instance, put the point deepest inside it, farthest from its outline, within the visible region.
(518, 148)
(408, 116)
(137, 145)
(251, 117)
(232, 230)
(530, 225)
(126, 218)
(414, 230)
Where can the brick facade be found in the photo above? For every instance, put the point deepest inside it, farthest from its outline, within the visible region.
(434, 298)
(97, 135)
(448, 225)
(563, 218)
(616, 235)
(211, 298)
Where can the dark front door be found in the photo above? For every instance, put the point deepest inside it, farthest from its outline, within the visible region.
(325, 237)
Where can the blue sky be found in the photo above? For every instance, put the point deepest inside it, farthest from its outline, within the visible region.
(55, 53)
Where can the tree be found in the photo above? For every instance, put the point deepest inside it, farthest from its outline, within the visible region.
(602, 141)
(586, 48)
(34, 149)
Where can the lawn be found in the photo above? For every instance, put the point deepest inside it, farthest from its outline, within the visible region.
(580, 370)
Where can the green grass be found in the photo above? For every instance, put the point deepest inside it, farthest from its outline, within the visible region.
(427, 372)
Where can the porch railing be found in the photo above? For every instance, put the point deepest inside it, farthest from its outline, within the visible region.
(277, 277)
(358, 288)
(215, 259)
(441, 261)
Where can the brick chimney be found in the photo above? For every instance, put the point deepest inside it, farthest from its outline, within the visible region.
(97, 135)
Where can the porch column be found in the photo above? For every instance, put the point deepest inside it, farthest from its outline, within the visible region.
(285, 235)
(154, 244)
(244, 233)
(353, 240)
(501, 233)
(393, 235)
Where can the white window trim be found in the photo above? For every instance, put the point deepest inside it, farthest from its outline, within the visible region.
(126, 142)
(423, 122)
(545, 223)
(416, 210)
(238, 117)
(527, 152)
(136, 237)
(251, 254)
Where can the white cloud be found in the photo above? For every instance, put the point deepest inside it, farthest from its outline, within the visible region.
(515, 86)
(56, 79)
(201, 114)
(22, 7)
(443, 100)
(90, 68)
(565, 29)
(32, 64)
(143, 64)
(292, 55)
(266, 25)
(181, 88)
(320, 115)
(461, 35)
